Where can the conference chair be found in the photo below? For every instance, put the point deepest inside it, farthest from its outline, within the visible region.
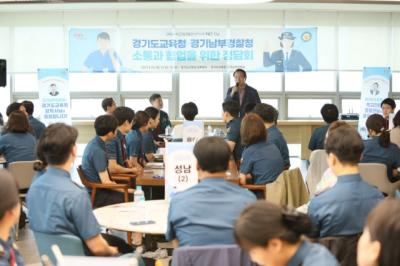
(375, 174)
(221, 255)
(318, 165)
(69, 244)
(258, 190)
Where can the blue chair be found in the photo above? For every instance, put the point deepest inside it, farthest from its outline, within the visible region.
(69, 245)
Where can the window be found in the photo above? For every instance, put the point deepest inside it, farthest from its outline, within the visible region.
(141, 104)
(306, 108)
(396, 82)
(351, 106)
(146, 82)
(86, 108)
(263, 81)
(273, 102)
(93, 81)
(323, 81)
(205, 89)
(26, 83)
(350, 81)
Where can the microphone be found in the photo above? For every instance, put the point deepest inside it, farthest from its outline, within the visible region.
(235, 89)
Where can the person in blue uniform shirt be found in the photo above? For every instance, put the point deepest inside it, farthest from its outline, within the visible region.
(272, 235)
(379, 149)
(241, 92)
(342, 210)
(287, 59)
(149, 145)
(261, 160)
(105, 59)
(269, 115)
(205, 213)
(118, 160)
(388, 106)
(35, 123)
(108, 105)
(134, 140)
(95, 161)
(230, 116)
(157, 102)
(10, 209)
(330, 114)
(17, 144)
(57, 205)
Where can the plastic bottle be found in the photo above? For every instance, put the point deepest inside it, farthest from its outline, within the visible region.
(209, 130)
(138, 196)
(168, 130)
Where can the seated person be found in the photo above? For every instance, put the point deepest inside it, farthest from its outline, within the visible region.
(330, 114)
(261, 161)
(108, 105)
(378, 243)
(342, 210)
(189, 111)
(248, 108)
(230, 116)
(157, 102)
(395, 131)
(272, 235)
(388, 106)
(10, 209)
(134, 140)
(15, 107)
(17, 144)
(205, 213)
(95, 161)
(149, 145)
(269, 115)
(118, 160)
(378, 148)
(56, 204)
(37, 126)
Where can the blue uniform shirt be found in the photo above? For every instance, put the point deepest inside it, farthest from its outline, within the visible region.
(317, 140)
(205, 213)
(59, 206)
(94, 159)
(134, 143)
(275, 136)
(375, 153)
(18, 147)
(114, 149)
(342, 210)
(148, 143)
(263, 161)
(6, 249)
(37, 126)
(311, 254)
(233, 134)
(98, 62)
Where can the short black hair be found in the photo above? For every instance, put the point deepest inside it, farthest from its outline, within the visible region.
(249, 107)
(141, 119)
(154, 97)
(212, 154)
(103, 35)
(107, 102)
(267, 112)
(152, 112)
(189, 111)
(241, 71)
(105, 124)
(123, 113)
(389, 101)
(346, 144)
(330, 113)
(232, 107)
(29, 107)
(9, 192)
(12, 107)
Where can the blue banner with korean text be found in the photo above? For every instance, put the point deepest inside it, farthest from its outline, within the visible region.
(54, 96)
(375, 89)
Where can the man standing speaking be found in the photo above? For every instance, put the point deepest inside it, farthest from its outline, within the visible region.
(241, 92)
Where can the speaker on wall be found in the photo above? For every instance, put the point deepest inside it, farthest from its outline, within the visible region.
(3, 73)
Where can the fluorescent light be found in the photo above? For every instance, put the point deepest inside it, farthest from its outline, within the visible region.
(226, 2)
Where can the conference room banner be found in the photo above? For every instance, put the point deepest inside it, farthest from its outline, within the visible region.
(376, 83)
(54, 96)
(192, 49)
(180, 168)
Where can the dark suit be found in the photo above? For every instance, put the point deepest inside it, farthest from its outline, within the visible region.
(250, 96)
(297, 62)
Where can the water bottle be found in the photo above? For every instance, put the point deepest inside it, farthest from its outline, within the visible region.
(138, 196)
(209, 130)
(168, 130)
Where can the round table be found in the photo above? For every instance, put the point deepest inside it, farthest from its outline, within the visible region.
(120, 216)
